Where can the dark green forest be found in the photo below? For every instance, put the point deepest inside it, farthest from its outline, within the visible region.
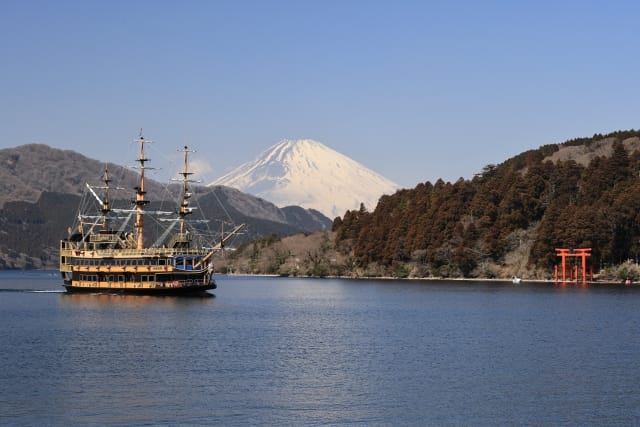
(527, 199)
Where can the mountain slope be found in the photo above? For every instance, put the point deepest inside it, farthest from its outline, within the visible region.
(30, 232)
(309, 174)
(29, 170)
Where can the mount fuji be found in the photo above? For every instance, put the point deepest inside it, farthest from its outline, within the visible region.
(309, 174)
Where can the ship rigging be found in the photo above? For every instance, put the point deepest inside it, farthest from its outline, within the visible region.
(102, 255)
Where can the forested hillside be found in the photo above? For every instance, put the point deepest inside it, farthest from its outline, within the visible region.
(582, 193)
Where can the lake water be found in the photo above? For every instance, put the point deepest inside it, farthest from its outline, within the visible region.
(272, 351)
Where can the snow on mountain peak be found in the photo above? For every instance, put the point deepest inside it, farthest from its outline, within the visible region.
(307, 173)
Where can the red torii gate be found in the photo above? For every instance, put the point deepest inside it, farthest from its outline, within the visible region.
(580, 252)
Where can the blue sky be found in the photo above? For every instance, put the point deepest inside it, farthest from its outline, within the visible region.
(415, 90)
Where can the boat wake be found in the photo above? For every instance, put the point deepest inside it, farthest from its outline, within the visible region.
(52, 291)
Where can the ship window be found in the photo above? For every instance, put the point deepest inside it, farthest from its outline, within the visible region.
(161, 262)
(120, 278)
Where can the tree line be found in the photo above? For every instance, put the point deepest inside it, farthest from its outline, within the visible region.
(527, 200)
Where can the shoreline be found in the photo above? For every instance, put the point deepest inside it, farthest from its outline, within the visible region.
(439, 279)
(54, 273)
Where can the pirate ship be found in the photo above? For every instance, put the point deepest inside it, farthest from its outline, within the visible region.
(103, 253)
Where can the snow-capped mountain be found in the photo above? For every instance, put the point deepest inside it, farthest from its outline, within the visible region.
(309, 174)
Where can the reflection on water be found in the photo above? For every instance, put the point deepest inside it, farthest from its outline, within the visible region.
(103, 299)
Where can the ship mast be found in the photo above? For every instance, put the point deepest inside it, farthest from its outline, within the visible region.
(106, 206)
(140, 192)
(184, 206)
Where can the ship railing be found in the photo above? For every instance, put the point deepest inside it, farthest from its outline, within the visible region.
(143, 252)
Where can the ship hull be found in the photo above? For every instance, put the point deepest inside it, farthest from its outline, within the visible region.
(185, 290)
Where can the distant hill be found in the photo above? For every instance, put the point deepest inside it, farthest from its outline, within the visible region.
(508, 219)
(309, 174)
(29, 170)
(41, 188)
